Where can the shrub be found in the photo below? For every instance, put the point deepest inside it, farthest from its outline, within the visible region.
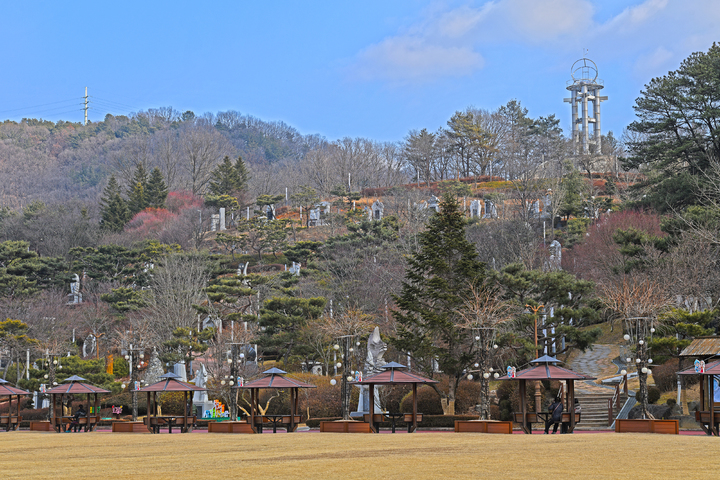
(428, 402)
(392, 395)
(429, 421)
(172, 403)
(124, 400)
(666, 378)
(653, 395)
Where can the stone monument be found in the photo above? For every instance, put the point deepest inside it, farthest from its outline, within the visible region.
(376, 348)
(200, 399)
(155, 368)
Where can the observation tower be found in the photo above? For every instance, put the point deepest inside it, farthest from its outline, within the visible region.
(585, 89)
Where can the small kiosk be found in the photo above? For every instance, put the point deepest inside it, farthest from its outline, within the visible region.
(274, 378)
(11, 421)
(76, 386)
(545, 368)
(169, 383)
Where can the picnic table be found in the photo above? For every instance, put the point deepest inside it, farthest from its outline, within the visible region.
(87, 423)
(156, 422)
(276, 421)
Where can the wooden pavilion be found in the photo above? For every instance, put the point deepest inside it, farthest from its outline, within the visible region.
(6, 390)
(709, 414)
(76, 386)
(169, 383)
(394, 374)
(274, 378)
(545, 368)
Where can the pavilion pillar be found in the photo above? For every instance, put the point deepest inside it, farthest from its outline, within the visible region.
(293, 394)
(571, 401)
(415, 412)
(185, 412)
(711, 399)
(523, 405)
(372, 406)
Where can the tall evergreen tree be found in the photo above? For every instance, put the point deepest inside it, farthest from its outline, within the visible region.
(157, 191)
(137, 191)
(113, 208)
(439, 283)
(229, 179)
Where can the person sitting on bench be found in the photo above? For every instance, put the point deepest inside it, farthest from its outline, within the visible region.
(75, 423)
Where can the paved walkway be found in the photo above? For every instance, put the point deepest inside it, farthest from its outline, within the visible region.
(596, 363)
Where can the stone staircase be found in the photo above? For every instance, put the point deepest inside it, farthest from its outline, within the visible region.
(595, 410)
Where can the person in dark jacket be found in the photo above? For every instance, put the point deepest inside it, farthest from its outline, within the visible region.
(75, 423)
(556, 411)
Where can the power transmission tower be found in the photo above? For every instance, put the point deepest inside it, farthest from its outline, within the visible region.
(86, 106)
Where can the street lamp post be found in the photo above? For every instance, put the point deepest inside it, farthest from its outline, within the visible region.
(537, 382)
(346, 374)
(130, 357)
(53, 364)
(233, 361)
(485, 337)
(640, 330)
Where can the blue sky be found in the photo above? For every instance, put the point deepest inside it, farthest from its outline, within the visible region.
(375, 69)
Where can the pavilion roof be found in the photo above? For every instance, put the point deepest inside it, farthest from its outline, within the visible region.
(76, 385)
(712, 368)
(275, 378)
(7, 389)
(170, 383)
(702, 347)
(394, 373)
(544, 369)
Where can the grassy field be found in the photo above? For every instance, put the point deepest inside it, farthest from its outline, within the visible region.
(348, 456)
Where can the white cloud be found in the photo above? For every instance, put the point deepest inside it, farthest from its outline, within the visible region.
(658, 61)
(449, 41)
(408, 58)
(544, 20)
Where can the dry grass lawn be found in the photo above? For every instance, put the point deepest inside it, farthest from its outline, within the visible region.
(348, 456)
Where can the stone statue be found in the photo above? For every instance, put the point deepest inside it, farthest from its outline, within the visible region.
(155, 368)
(200, 399)
(376, 348)
(374, 361)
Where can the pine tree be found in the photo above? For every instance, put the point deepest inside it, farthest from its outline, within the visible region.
(439, 281)
(157, 191)
(229, 179)
(137, 201)
(137, 191)
(242, 173)
(225, 179)
(113, 208)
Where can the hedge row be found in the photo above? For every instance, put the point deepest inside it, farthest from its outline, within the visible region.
(428, 421)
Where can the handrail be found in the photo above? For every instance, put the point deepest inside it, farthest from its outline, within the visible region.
(616, 400)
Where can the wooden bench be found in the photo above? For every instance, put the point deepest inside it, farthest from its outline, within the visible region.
(11, 423)
(483, 426)
(230, 427)
(345, 426)
(408, 418)
(377, 418)
(86, 423)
